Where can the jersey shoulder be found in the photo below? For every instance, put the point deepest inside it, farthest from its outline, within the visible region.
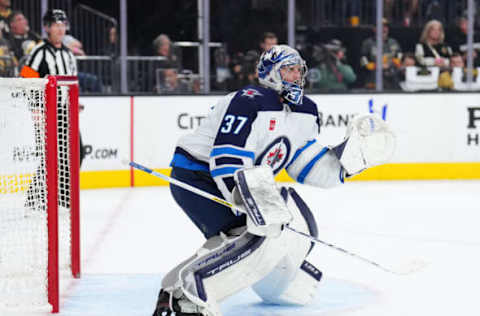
(257, 99)
(307, 107)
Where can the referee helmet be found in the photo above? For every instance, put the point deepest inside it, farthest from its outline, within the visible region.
(55, 16)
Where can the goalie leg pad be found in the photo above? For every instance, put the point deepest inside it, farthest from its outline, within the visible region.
(302, 290)
(307, 215)
(294, 280)
(289, 285)
(222, 267)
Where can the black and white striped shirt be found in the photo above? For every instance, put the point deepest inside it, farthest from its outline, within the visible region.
(46, 59)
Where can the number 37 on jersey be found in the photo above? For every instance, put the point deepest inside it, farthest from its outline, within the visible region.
(233, 124)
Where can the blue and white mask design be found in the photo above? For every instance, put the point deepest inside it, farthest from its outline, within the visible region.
(269, 72)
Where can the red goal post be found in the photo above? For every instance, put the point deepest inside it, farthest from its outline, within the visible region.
(39, 190)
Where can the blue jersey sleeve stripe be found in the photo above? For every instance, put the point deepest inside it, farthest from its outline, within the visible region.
(223, 171)
(232, 151)
(306, 170)
(299, 151)
(181, 161)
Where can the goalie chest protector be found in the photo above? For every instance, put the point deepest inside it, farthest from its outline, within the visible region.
(251, 127)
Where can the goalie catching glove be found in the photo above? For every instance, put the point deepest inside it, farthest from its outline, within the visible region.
(266, 210)
(369, 142)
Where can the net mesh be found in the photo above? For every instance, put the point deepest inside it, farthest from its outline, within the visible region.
(23, 188)
(63, 141)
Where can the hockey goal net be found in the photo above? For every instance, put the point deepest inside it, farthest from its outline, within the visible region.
(39, 191)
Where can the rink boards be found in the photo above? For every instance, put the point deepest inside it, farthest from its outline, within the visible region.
(437, 134)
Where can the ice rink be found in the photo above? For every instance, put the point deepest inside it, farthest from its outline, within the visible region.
(131, 237)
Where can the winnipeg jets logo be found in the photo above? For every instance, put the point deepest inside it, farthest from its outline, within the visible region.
(251, 93)
(275, 154)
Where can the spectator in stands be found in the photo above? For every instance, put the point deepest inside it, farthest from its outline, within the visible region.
(7, 59)
(457, 60)
(432, 50)
(171, 83)
(243, 70)
(409, 9)
(268, 40)
(352, 11)
(392, 53)
(444, 11)
(249, 66)
(74, 44)
(162, 46)
(21, 38)
(5, 12)
(408, 60)
(222, 71)
(388, 9)
(112, 42)
(88, 82)
(445, 79)
(112, 80)
(458, 39)
(410, 12)
(237, 79)
(331, 73)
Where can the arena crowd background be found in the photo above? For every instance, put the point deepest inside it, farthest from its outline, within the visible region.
(160, 48)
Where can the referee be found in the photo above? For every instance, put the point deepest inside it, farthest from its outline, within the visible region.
(51, 57)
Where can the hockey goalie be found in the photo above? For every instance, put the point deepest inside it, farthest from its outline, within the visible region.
(249, 136)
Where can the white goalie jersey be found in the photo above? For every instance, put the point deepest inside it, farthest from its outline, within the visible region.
(252, 127)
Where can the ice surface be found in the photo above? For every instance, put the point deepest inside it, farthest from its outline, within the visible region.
(132, 237)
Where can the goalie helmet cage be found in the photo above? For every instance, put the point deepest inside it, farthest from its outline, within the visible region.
(39, 190)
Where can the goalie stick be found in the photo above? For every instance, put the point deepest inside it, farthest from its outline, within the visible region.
(408, 270)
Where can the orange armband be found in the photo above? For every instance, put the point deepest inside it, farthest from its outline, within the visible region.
(28, 72)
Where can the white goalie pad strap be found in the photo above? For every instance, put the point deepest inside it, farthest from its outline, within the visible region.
(265, 207)
(224, 266)
(369, 142)
(315, 165)
(293, 280)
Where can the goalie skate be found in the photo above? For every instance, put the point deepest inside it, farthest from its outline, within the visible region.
(163, 306)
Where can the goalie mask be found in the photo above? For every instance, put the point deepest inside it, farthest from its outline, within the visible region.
(282, 68)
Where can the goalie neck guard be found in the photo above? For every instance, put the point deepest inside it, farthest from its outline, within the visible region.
(269, 66)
